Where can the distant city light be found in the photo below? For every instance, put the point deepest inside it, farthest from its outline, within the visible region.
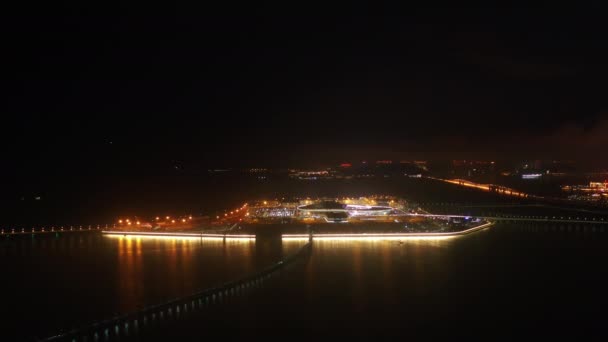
(531, 175)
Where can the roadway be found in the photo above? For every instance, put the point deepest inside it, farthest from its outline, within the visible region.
(516, 218)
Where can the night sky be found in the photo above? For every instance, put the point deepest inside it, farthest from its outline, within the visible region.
(108, 89)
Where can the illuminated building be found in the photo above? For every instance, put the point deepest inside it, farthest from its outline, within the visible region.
(310, 175)
(531, 176)
(346, 209)
(329, 209)
(594, 192)
(341, 212)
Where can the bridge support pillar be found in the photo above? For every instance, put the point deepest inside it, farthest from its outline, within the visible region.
(309, 233)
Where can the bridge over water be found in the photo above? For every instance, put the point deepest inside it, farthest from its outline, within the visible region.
(519, 218)
(131, 324)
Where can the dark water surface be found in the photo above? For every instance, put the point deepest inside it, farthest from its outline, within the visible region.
(50, 284)
(511, 280)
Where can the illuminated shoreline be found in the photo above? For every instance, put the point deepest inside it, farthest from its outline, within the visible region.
(326, 236)
(178, 235)
(387, 236)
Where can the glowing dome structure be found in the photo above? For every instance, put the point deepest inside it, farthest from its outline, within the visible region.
(334, 211)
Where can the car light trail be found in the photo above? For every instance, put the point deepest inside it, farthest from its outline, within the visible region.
(485, 187)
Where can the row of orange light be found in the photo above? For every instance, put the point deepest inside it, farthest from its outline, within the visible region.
(128, 222)
(157, 218)
(167, 218)
(236, 211)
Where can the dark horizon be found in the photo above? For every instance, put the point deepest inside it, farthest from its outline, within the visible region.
(99, 97)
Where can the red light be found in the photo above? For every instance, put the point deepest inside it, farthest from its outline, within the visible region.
(345, 165)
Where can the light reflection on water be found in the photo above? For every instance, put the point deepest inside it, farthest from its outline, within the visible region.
(179, 263)
(435, 280)
(508, 266)
(61, 282)
(377, 265)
